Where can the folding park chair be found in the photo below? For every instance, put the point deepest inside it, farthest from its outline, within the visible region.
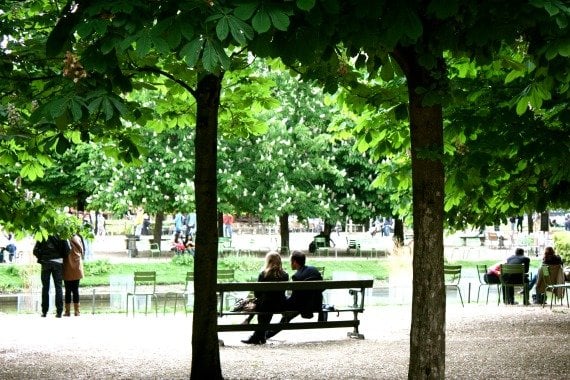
(154, 250)
(144, 285)
(452, 274)
(188, 285)
(321, 245)
(481, 271)
(551, 280)
(513, 275)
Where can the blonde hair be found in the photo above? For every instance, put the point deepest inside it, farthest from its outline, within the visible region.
(273, 265)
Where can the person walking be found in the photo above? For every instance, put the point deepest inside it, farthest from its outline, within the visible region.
(50, 253)
(73, 273)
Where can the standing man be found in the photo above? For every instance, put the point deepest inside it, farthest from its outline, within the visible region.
(304, 302)
(50, 254)
(228, 221)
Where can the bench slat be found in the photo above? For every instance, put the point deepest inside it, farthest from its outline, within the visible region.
(290, 326)
(292, 285)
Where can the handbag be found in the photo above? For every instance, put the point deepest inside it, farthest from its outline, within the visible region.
(245, 304)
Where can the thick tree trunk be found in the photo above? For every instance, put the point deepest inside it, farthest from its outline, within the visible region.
(220, 224)
(205, 349)
(427, 335)
(157, 231)
(284, 232)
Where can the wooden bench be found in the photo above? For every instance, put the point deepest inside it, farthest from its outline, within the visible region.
(464, 239)
(356, 289)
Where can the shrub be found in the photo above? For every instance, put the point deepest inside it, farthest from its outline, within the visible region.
(183, 260)
(97, 267)
(562, 245)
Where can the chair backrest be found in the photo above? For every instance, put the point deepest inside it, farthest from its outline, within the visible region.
(512, 274)
(452, 274)
(144, 282)
(481, 271)
(189, 279)
(320, 242)
(548, 275)
(353, 244)
(226, 275)
(225, 242)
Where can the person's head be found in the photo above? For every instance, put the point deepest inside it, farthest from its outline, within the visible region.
(298, 259)
(273, 263)
(549, 251)
(519, 252)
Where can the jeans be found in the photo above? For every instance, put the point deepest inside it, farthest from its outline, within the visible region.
(53, 270)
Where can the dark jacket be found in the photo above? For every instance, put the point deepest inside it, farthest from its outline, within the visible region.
(271, 301)
(306, 301)
(517, 259)
(50, 249)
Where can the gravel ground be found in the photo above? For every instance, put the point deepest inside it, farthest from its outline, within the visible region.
(483, 342)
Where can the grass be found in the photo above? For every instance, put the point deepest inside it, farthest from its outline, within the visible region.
(15, 278)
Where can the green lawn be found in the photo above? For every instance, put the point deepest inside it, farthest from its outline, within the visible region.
(97, 273)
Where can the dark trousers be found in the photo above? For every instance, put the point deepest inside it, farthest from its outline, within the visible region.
(286, 318)
(53, 270)
(72, 288)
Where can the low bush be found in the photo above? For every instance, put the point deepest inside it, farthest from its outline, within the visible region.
(562, 245)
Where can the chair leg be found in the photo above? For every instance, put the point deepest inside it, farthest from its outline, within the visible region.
(460, 297)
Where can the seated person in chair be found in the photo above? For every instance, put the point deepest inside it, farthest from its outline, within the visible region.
(517, 258)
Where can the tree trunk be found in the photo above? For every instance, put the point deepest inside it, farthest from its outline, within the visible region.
(544, 221)
(530, 223)
(157, 231)
(284, 232)
(205, 350)
(427, 335)
(398, 232)
(220, 224)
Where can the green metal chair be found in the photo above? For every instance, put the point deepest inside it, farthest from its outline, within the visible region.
(188, 288)
(481, 271)
(144, 285)
(513, 275)
(452, 275)
(321, 245)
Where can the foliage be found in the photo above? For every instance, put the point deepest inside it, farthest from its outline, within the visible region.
(183, 260)
(562, 245)
(96, 267)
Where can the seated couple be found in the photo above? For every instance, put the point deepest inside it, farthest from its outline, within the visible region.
(549, 258)
(300, 302)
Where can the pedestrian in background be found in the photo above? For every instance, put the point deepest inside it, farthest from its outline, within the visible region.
(73, 273)
(50, 253)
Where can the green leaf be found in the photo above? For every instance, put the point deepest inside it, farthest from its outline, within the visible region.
(261, 22)
(76, 110)
(31, 170)
(522, 105)
(143, 44)
(280, 19)
(62, 145)
(222, 29)
(191, 52)
(240, 30)
(387, 72)
(186, 28)
(246, 10)
(513, 75)
(443, 8)
(305, 5)
(209, 57)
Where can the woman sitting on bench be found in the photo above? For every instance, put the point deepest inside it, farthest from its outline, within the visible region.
(268, 302)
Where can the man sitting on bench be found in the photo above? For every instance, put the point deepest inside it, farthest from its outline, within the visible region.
(303, 302)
